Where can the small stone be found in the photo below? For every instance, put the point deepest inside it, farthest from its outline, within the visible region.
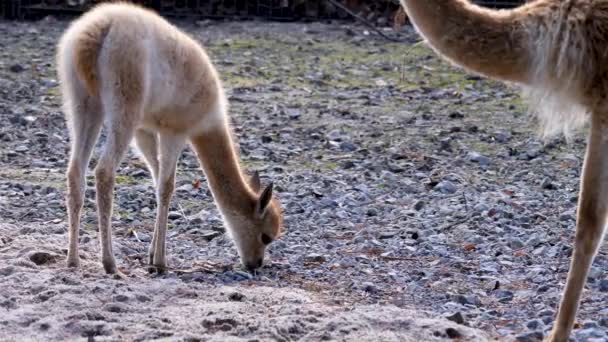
(293, 114)
(139, 173)
(516, 243)
(535, 336)
(590, 324)
(532, 153)
(334, 135)
(446, 187)
(371, 212)
(453, 333)
(240, 275)
(347, 164)
(40, 258)
(603, 286)
(535, 324)
(369, 287)
(456, 318)
(115, 307)
(589, 334)
(456, 115)
(547, 184)
(502, 137)
(21, 148)
(348, 146)
(121, 298)
(478, 158)
(314, 257)
(504, 296)
(419, 205)
(481, 207)
(185, 188)
(466, 300)
(387, 234)
(143, 298)
(16, 68)
(209, 234)
(174, 215)
(236, 297)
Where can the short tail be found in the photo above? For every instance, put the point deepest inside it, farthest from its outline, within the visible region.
(87, 45)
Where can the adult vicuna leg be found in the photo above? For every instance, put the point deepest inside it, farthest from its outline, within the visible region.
(590, 226)
(170, 150)
(84, 121)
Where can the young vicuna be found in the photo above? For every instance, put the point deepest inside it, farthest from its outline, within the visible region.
(126, 67)
(558, 50)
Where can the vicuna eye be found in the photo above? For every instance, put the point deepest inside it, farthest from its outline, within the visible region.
(266, 239)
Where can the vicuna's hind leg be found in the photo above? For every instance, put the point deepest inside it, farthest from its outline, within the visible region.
(591, 222)
(120, 132)
(170, 150)
(147, 144)
(84, 120)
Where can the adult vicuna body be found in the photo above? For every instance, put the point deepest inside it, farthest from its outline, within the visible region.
(126, 67)
(556, 49)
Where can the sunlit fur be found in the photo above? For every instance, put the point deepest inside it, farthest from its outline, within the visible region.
(557, 50)
(126, 67)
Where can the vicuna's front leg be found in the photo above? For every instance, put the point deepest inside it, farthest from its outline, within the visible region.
(591, 222)
(170, 149)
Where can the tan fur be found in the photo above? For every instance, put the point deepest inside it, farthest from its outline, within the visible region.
(558, 51)
(125, 66)
(86, 49)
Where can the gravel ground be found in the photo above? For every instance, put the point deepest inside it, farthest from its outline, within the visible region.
(419, 203)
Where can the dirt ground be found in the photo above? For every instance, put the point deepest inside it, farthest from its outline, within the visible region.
(419, 203)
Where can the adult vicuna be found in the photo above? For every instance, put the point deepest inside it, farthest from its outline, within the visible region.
(126, 67)
(556, 49)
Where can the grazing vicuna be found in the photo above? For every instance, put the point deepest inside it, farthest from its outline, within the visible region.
(128, 68)
(558, 50)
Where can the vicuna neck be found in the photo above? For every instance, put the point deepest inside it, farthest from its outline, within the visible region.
(484, 41)
(219, 161)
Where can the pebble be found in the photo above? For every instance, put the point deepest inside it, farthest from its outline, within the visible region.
(535, 336)
(236, 297)
(547, 184)
(478, 158)
(590, 333)
(456, 317)
(535, 324)
(314, 257)
(16, 68)
(603, 286)
(446, 187)
(174, 215)
(369, 287)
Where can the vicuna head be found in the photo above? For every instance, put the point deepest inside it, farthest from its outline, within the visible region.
(258, 225)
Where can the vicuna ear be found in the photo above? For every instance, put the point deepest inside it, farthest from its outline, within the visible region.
(254, 181)
(264, 200)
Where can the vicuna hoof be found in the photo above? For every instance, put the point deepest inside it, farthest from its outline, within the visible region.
(73, 262)
(556, 337)
(110, 266)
